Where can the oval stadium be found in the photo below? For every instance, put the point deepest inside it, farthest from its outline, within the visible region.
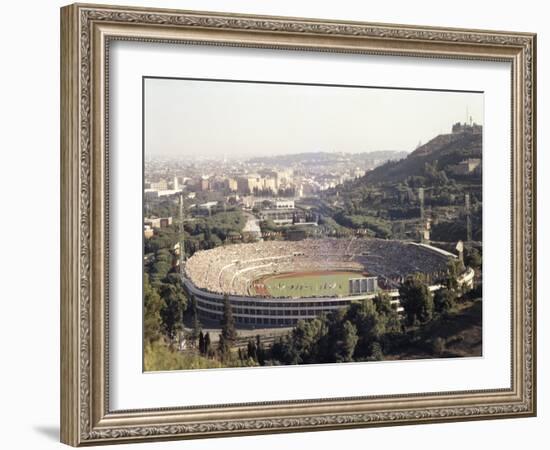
(277, 283)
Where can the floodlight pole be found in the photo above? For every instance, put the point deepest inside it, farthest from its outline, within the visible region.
(182, 236)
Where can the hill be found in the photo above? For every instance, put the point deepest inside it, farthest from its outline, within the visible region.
(386, 201)
(437, 155)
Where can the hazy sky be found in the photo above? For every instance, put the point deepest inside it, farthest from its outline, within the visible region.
(216, 119)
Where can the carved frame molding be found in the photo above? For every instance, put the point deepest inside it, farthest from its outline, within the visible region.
(86, 31)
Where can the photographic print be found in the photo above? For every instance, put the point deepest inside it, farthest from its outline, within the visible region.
(304, 224)
(254, 201)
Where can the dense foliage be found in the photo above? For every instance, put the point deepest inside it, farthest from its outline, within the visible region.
(358, 333)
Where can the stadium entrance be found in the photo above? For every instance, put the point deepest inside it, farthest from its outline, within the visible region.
(363, 285)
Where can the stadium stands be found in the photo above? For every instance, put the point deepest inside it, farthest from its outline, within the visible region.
(232, 269)
(235, 271)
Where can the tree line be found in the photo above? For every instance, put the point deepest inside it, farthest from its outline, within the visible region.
(366, 330)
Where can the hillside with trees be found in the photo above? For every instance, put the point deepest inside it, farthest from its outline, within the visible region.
(386, 201)
(429, 163)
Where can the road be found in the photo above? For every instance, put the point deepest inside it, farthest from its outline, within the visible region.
(252, 225)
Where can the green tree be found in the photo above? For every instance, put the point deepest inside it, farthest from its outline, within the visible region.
(305, 340)
(376, 352)
(347, 341)
(229, 332)
(224, 348)
(444, 300)
(417, 300)
(390, 316)
(472, 258)
(207, 344)
(175, 303)
(172, 312)
(454, 268)
(153, 305)
(161, 265)
(260, 351)
(195, 322)
(201, 343)
(304, 345)
(370, 325)
(173, 279)
(251, 350)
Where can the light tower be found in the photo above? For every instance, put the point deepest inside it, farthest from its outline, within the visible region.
(468, 218)
(182, 235)
(421, 199)
(460, 249)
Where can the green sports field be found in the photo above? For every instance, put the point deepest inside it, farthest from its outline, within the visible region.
(311, 284)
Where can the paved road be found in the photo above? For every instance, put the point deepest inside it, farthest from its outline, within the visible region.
(252, 225)
(268, 335)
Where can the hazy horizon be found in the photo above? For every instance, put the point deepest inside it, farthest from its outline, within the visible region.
(215, 119)
(230, 157)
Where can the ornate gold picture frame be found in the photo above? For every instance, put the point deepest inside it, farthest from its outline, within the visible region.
(87, 31)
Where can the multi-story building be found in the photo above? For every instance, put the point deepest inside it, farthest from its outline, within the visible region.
(231, 184)
(158, 222)
(283, 204)
(284, 177)
(160, 185)
(256, 183)
(204, 184)
(281, 212)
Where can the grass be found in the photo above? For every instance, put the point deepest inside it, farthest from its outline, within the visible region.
(158, 356)
(458, 334)
(321, 284)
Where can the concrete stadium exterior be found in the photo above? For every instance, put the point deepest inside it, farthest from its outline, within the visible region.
(212, 274)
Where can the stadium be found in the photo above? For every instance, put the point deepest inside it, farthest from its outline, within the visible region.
(278, 283)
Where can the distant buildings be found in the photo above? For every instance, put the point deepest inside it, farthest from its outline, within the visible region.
(203, 208)
(281, 212)
(161, 188)
(212, 180)
(151, 194)
(278, 216)
(466, 167)
(231, 185)
(204, 184)
(283, 204)
(157, 222)
(254, 183)
(148, 232)
(150, 224)
(161, 185)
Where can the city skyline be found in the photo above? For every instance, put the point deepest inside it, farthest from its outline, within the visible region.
(200, 119)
